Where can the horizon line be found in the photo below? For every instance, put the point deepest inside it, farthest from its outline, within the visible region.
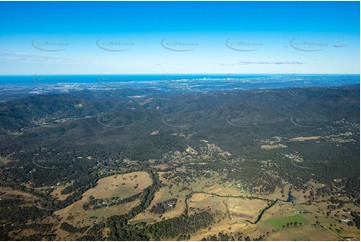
(93, 74)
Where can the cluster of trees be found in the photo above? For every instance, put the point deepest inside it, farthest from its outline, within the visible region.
(94, 233)
(223, 236)
(181, 225)
(290, 224)
(15, 214)
(352, 187)
(356, 219)
(3, 235)
(71, 229)
(164, 206)
(14, 211)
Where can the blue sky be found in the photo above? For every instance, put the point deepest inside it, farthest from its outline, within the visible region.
(179, 37)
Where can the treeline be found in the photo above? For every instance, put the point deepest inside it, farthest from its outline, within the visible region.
(179, 226)
(356, 219)
(71, 229)
(222, 236)
(353, 187)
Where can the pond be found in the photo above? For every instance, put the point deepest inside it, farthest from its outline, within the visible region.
(290, 198)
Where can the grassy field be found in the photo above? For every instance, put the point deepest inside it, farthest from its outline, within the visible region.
(329, 229)
(277, 223)
(201, 201)
(145, 220)
(120, 185)
(233, 212)
(57, 192)
(305, 232)
(4, 160)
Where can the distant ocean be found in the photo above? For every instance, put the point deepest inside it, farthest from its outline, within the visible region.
(185, 80)
(53, 79)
